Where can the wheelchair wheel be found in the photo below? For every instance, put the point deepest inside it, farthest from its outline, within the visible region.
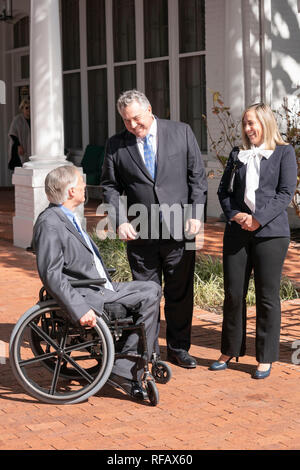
(161, 371)
(56, 361)
(152, 392)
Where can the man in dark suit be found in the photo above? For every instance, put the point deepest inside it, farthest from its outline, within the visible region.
(65, 252)
(157, 165)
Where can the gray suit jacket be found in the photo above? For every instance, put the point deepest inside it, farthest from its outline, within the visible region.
(63, 255)
(180, 177)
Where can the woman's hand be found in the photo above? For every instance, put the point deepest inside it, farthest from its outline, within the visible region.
(246, 221)
(240, 217)
(250, 224)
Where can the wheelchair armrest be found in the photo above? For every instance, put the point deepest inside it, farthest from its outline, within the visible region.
(88, 282)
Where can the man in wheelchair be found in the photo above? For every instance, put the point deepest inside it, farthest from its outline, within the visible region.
(65, 253)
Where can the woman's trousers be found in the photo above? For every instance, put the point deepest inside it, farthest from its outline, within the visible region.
(242, 253)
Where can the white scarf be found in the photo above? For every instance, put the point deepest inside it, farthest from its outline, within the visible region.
(252, 159)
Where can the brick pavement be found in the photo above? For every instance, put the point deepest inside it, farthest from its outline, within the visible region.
(198, 409)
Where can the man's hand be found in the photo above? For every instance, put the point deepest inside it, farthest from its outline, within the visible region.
(126, 232)
(192, 226)
(89, 319)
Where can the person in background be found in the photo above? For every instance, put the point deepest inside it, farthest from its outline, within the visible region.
(256, 236)
(20, 137)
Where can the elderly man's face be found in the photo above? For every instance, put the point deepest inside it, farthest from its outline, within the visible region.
(79, 191)
(137, 119)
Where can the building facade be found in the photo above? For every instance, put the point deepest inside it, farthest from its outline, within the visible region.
(176, 51)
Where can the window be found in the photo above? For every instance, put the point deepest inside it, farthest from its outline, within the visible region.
(72, 110)
(70, 34)
(97, 86)
(110, 46)
(96, 32)
(124, 30)
(21, 33)
(156, 28)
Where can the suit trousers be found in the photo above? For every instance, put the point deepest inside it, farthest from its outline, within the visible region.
(130, 294)
(168, 260)
(242, 253)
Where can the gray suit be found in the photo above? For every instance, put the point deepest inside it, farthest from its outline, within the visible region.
(63, 255)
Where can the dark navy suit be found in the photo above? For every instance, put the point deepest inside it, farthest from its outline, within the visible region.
(180, 181)
(262, 251)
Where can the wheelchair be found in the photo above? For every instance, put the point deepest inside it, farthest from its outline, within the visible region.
(59, 362)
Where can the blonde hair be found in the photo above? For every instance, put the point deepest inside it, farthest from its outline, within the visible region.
(59, 181)
(271, 134)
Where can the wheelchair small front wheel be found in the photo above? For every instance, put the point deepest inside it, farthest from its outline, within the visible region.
(161, 371)
(152, 392)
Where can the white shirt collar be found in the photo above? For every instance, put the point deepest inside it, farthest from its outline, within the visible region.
(152, 132)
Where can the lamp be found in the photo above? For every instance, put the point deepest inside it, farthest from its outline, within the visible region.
(6, 13)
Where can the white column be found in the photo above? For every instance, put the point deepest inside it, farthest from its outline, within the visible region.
(46, 102)
(47, 134)
(234, 67)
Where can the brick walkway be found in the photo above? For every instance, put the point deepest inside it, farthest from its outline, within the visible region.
(198, 409)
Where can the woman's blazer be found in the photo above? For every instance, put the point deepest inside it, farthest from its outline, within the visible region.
(277, 184)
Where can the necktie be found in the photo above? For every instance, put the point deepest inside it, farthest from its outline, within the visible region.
(252, 159)
(149, 156)
(98, 262)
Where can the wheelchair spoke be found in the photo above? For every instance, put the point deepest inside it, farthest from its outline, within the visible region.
(43, 335)
(55, 376)
(43, 357)
(59, 361)
(79, 369)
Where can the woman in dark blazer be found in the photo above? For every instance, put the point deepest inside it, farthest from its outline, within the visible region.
(256, 188)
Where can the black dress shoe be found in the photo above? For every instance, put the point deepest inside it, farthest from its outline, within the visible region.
(181, 358)
(133, 388)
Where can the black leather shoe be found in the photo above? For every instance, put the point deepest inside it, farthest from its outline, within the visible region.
(181, 358)
(133, 388)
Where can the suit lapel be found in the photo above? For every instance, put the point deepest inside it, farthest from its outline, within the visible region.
(69, 226)
(161, 137)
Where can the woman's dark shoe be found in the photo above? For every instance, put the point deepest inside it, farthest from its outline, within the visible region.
(133, 388)
(217, 365)
(262, 374)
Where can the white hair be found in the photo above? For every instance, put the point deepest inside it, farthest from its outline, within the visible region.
(59, 181)
(129, 96)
